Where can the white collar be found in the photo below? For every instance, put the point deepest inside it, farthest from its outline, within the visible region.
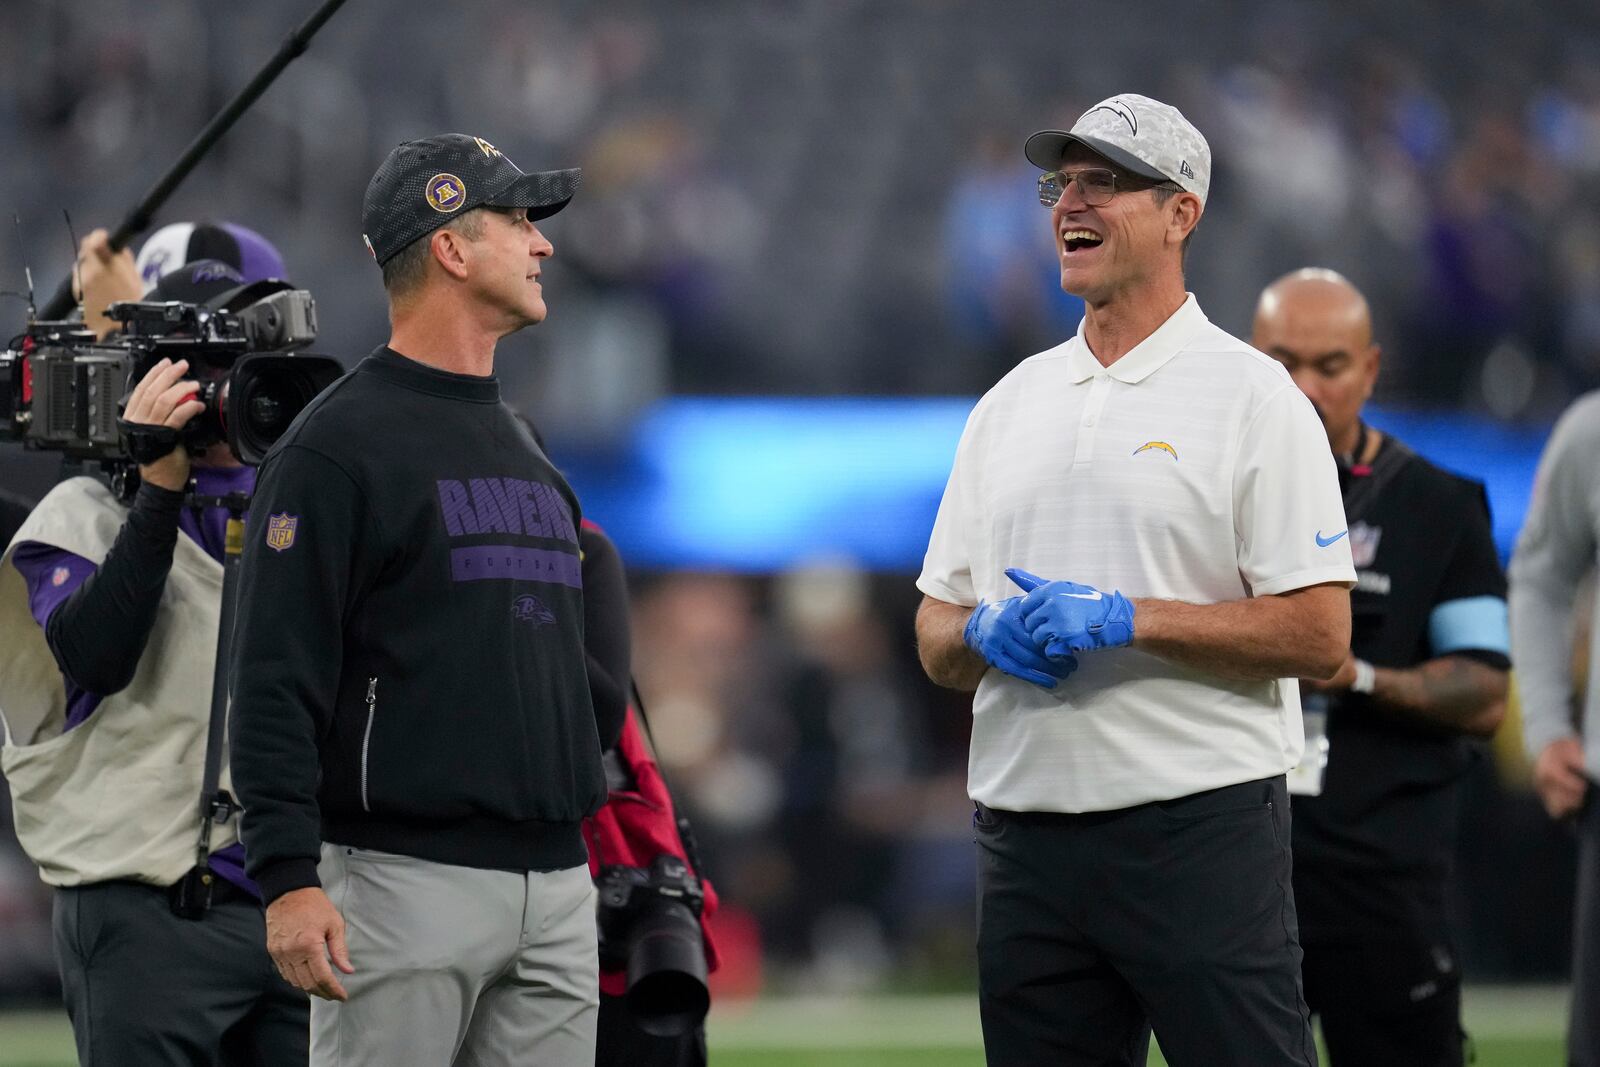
(1146, 357)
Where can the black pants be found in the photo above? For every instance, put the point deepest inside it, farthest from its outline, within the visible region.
(1177, 916)
(1389, 1003)
(1583, 1031)
(620, 1043)
(145, 987)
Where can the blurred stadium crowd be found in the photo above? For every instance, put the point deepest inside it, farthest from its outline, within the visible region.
(815, 196)
(829, 197)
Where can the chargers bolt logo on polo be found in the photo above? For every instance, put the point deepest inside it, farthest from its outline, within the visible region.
(1159, 446)
(280, 531)
(446, 193)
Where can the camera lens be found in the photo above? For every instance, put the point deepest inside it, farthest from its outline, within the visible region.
(269, 412)
(667, 993)
(271, 401)
(266, 393)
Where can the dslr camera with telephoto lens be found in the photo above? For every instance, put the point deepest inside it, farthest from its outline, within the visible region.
(649, 920)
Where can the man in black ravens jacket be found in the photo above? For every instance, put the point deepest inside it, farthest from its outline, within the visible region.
(413, 736)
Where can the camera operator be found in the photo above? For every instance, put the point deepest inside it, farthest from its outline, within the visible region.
(122, 605)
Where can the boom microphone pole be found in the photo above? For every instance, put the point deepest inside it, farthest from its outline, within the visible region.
(138, 220)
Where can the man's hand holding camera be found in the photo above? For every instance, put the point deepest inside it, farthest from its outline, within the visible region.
(164, 397)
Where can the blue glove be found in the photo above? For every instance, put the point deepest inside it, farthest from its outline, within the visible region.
(1065, 617)
(995, 632)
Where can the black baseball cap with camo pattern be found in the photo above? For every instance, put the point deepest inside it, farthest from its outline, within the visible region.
(423, 184)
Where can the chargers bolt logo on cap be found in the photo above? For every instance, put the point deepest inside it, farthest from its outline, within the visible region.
(446, 193)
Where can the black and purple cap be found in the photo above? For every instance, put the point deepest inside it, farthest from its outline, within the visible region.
(240, 247)
(423, 184)
(214, 283)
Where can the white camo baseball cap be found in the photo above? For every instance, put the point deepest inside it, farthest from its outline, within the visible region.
(1141, 135)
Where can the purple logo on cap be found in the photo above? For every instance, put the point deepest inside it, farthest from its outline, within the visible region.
(214, 271)
(154, 267)
(446, 193)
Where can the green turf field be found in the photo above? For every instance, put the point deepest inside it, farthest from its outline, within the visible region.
(1512, 1027)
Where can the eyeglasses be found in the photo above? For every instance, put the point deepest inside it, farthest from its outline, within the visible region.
(1096, 185)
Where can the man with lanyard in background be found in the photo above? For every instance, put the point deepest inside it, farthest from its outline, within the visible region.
(118, 607)
(1387, 736)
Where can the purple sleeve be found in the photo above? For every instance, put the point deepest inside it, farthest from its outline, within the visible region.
(51, 573)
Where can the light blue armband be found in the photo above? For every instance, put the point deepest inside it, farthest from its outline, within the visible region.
(1474, 622)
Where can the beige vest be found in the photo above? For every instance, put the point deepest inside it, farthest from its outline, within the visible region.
(118, 796)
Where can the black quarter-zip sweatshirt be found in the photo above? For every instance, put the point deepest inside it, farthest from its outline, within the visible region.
(408, 667)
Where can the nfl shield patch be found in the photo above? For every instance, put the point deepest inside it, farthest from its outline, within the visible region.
(280, 530)
(1364, 543)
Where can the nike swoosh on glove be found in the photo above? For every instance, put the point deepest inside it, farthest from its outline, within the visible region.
(995, 632)
(1067, 617)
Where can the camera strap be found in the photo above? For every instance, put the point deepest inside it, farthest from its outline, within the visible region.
(146, 443)
(217, 805)
(691, 844)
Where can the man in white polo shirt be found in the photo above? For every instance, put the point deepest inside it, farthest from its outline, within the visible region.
(1135, 708)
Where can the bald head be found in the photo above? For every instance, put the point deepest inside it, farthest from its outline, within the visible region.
(1319, 327)
(1315, 296)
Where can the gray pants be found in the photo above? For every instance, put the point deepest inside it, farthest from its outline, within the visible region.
(459, 966)
(145, 987)
(1583, 1033)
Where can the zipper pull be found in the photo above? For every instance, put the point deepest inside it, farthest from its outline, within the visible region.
(372, 691)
